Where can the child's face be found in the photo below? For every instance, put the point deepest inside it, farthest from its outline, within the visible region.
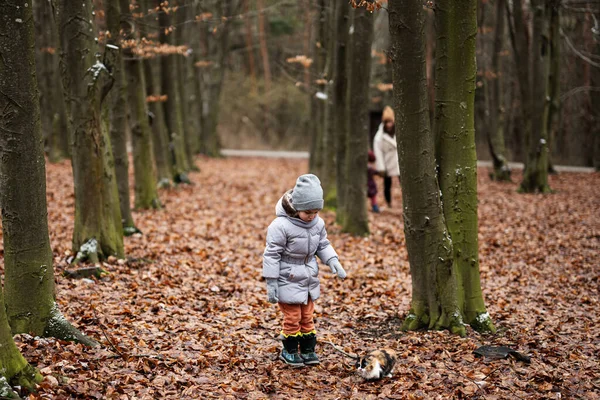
(308, 215)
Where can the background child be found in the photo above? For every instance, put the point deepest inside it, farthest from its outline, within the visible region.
(386, 152)
(371, 185)
(290, 267)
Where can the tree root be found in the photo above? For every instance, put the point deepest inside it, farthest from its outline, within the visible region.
(87, 252)
(130, 230)
(482, 323)
(164, 183)
(87, 272)
(182, 178)
(60, 328)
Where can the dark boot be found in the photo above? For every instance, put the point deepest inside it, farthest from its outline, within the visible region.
(289, 353)
(307, 349)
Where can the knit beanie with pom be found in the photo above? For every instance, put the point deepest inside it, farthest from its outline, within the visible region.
(307, 194)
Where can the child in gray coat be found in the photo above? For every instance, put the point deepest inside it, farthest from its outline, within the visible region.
(290, 267)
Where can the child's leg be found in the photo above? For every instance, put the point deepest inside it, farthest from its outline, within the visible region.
(374, 205)
(291, 334)
(387, 190)
(308, 340)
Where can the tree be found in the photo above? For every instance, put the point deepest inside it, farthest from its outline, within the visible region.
(456, 69)
(356, 220)
(439, 294)
(54, 121)
(86, 83)
(28, 300)
(146, 195)
(495, 101)
(118, 113)
(172, 105)
(317, 109)
(532, 78)
(340, 103)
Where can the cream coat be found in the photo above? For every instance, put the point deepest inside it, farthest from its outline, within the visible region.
(386, 153)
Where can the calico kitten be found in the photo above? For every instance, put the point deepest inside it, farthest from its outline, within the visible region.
(377, 364)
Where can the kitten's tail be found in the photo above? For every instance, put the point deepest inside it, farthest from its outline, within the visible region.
(338, 348)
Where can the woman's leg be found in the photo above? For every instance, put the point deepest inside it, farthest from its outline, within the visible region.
(387, 190)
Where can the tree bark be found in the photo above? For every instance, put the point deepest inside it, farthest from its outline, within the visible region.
(264, 52)
(434, 285)
(86, 82)
(146, 195)
(456, 70)
(496, 108)
(356, 221)
(160, 139)
(118, 114)
(553, 103)
(328, 174)
(29, 274)
(172, 107)
(250, 46)
(535, 175)
(340, 101)
(317, 106)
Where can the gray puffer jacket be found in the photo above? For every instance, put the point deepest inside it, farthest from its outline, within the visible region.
(290, 254)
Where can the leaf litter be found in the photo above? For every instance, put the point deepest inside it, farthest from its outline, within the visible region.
(185, 314)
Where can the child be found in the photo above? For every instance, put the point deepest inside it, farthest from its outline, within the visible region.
(371, 185)
(290, 267)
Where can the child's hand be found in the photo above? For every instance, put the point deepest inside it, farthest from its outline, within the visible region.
(336, 268)
(272, 290)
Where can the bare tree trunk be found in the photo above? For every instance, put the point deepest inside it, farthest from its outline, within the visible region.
(553, 103)
(328, 177)
(434, 285)
(118, 114)
(250, 45)
(356, 221)
(340, 101)
(318, 104)
(535, 175)
(264, 51)
(28, 263)
(86, 82)
(496, 108)
(456, 27)
(172, 107)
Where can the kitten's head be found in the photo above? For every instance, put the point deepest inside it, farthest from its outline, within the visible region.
(376, 364)
(369, 367)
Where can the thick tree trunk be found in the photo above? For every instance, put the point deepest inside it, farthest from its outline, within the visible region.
(496, 107)
(456, 69)
(535, 175)
(340, 100)
(97, 212)
(160, 139)
(434, 285)
(264, 52)
(118, 114)
(172, 107)
(250, 46)
(595, 100)
(356, 221)
(29, 274)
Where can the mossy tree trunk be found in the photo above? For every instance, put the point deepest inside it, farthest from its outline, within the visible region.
(118, 114)
(340, 100)
(456, 69)
(595, 100)
(146, 195)
(160, 138)
(434, 282)
(86, 83)
(496, 106)
(29, 274)
(535, 175)
(356, 221)
(172, 106)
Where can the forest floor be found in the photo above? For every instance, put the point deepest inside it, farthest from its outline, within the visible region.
(185, 314)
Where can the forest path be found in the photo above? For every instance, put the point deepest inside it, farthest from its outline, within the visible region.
(306, 154)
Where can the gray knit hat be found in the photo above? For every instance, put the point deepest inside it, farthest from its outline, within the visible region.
(307, 194)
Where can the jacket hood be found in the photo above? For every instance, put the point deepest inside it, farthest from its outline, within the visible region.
(284, 208)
